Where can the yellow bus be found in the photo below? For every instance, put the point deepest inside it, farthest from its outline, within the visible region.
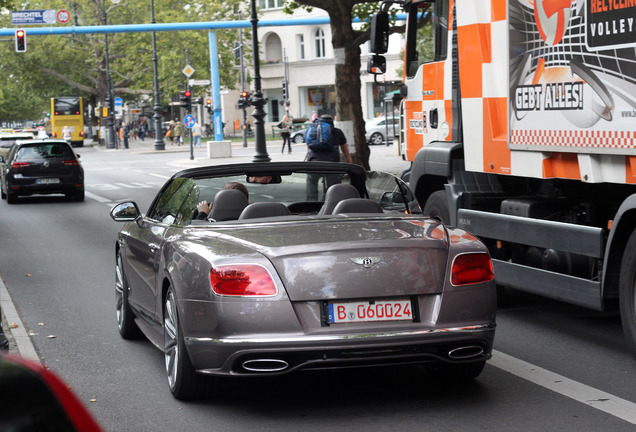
(68, 111)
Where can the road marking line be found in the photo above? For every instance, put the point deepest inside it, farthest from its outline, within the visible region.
(587, 395)
(97, 197)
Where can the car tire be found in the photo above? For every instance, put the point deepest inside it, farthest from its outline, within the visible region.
(444, 372)
(437, 207)
(12, 198)
(125, 318)
(2, 194)
(184, 382)
(299, 139)
(627, 293)
(376, 138)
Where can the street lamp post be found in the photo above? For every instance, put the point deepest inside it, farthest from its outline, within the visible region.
(258, 101)
(110, 143)
(159, 144)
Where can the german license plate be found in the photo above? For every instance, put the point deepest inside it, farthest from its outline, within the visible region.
(47, 180)
(372, 310)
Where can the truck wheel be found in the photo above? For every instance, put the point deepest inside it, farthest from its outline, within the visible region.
(627, 293)
(437, 206)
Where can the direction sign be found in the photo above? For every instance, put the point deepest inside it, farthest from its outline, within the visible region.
(118, 101)
(189, 121)
(63, 16)
(188, 71)
(194, 82)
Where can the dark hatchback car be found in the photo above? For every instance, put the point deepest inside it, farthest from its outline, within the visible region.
(42, 167)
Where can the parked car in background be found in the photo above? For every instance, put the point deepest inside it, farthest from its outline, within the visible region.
(7, 139)
(279, 283)
(41, 167)
(298, 136)
(376, 129)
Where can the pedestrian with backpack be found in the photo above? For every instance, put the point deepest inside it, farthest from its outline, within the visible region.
(324, 143)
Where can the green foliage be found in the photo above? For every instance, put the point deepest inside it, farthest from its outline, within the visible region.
(57, 65)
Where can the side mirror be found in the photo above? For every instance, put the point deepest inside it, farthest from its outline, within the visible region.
(380, 33)
(376, 65)
(125, 212)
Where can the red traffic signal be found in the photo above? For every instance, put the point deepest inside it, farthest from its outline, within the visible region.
(187, 93)
(208, 101)
(244, 95)
(20, 40)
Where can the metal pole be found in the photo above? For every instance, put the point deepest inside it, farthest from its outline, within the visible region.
(258, 101)
(159, 144)
(183, 126)
(110, 141)
(243, 82)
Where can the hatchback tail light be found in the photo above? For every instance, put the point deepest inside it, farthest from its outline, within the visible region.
(242, 280)
(471, 268)
(71, 162)
(18, 165)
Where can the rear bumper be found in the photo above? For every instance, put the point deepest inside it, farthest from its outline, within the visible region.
(28, 186)
(280, 355)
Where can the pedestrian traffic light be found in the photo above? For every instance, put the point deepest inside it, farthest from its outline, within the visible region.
(285, 90)
(20, 40)
(184, 97)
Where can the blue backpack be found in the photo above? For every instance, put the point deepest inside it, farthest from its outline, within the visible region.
(319, 136)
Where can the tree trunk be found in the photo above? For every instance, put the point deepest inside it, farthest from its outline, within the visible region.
(348, 84)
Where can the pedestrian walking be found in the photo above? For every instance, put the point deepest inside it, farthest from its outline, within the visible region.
(170, 131)
(178, 133)
(196, 133)
(66, 134)
(142, 131)
(324, 143)
(285, 129)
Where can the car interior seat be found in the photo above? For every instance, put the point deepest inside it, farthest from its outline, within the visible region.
(335, 194)
(264, 209)
(228, 205)
(357, 205)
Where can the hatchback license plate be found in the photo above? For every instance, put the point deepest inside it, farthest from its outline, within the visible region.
(47, 181)
(378, 310)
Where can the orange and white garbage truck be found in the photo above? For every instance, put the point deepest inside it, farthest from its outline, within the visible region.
(519, 118)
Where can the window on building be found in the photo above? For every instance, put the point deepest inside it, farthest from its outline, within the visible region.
(273, 49)
(300, 42)
(319, 40)
(270, 4)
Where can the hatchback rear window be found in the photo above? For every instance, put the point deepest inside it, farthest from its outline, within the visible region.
(45, 151)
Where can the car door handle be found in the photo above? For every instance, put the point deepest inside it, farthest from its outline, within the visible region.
(153, 247)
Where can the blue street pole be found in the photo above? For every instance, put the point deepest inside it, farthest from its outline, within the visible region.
(216, 92)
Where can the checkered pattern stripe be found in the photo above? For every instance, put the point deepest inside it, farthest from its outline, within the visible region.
(575, 139)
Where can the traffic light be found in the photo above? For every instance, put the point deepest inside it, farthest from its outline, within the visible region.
(285, 90)
(184, 97)
(245, 100)
(20, 40)
(208, 105)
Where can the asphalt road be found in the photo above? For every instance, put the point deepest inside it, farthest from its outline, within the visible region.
(556, 367)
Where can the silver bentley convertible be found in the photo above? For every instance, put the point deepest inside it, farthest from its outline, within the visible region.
(299, 266)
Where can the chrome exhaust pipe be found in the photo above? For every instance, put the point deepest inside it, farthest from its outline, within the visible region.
(265, 365)
(466, 352)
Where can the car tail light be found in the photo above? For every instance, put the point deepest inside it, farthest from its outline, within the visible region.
(471, 268)
(18, 165)
(71, 162)
(242, 280)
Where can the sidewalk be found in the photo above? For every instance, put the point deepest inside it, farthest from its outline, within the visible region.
(383, 157)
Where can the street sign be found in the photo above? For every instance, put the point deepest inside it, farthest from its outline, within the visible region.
(188, 71)
(189, 121)
(63, 16)
(118, 101)
(43, 16)
(194, 82)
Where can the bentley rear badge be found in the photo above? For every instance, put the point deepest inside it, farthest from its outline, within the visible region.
(366, 262)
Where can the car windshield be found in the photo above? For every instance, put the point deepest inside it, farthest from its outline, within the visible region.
(45, 151)
(177, 203)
